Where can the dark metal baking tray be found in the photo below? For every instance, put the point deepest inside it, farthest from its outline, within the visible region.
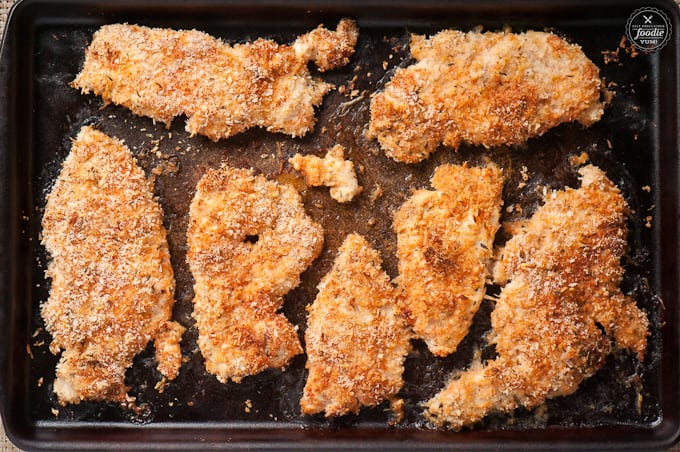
(624, 406)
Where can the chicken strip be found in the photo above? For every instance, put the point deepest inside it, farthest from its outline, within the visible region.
(486, 89)
(555, 319)
(222, 89)
(332, 171)
(444, 242)
(249, 240)
(356, 339)
(112, 285)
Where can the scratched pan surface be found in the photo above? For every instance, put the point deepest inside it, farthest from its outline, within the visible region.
(624, 404)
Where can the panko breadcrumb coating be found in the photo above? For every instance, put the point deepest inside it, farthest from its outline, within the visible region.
(485, 89)
(444, 243)
(331, 171)
(356, 339)
(249, 240)
(112, 285)
(222, 89)
(560, 308)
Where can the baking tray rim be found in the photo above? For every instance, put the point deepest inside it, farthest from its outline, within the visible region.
(667, 429)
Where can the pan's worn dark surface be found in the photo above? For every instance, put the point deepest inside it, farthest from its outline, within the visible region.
(626, 404)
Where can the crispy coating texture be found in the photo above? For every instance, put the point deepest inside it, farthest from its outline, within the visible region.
(112, 285)
(561, 273)
(356, 339)
(249, 240)
(485, 89)
(444, 242)
(331, 171)
(222, 89)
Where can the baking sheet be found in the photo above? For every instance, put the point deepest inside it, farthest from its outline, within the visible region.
(635, 142)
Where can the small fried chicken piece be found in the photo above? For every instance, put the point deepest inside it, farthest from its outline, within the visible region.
(222, 89)
(486, 89)
(444, 242)
(332, 171)
(564, 274)
(112, 283)
(356, 339)
(249, 240)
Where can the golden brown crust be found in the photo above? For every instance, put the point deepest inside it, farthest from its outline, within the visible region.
(485, 89)
(444, 242)
(222, 89)
(356, 339)
(249, 240)
(112, 283)
(564, 272)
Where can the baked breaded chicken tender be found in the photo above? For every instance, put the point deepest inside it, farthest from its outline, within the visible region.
(249, 240)
(112, 288)
(222, 89)
(486, 89)
(332, 171)
(444, 242)
(561, 310)
(356, 339)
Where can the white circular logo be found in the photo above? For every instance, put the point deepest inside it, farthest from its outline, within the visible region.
(648, 29)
